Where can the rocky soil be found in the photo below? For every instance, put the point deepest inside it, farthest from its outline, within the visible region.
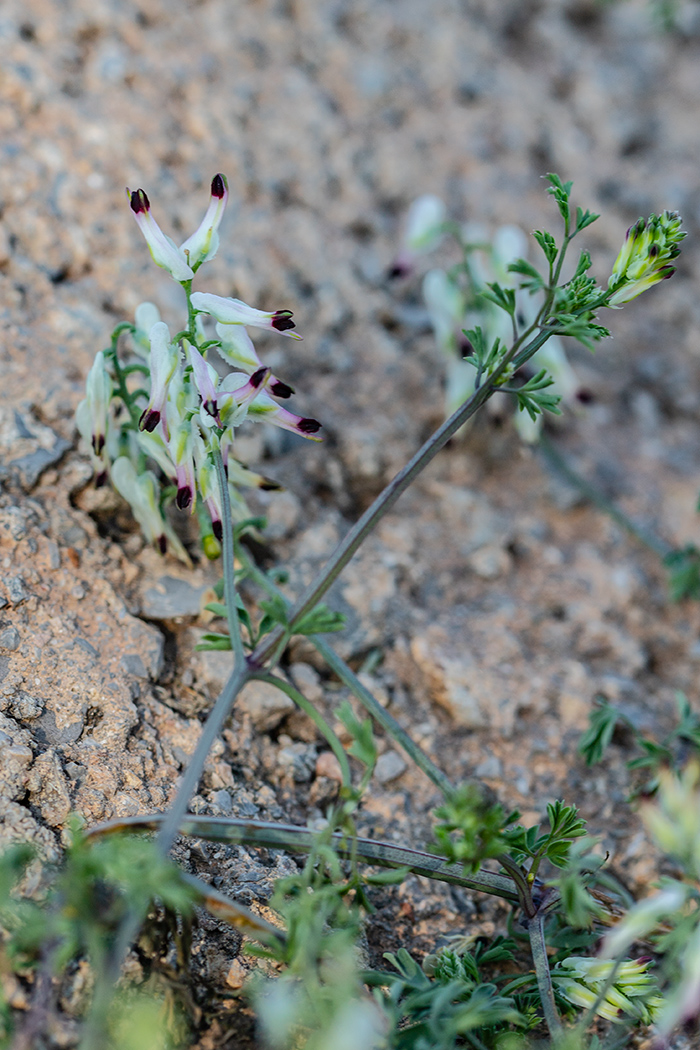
(493, 605)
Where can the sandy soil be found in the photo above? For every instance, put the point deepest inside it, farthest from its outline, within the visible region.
(495, 604)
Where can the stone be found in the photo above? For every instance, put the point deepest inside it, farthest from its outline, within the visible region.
(9, 639)
(390, 765)
(16, 590)
(170, 598)
(48, 789)
(26, 707)
(265, 705)
(327, 765)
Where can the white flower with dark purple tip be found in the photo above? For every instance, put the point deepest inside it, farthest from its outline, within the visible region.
(164, 252)
(141, 493)
(237, 348)
(99, 395)
(204, 242)
(236, 392)
(233, 311)
(181, 448)
(264, 410)
(163, 361)
(206, 380)
(425, 226)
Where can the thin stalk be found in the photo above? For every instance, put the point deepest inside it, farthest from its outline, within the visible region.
(596, 497)
(234, 626)
(348, 676)
(521, 884)
(212, 727)
(544, 977)
(383, 503)
(302, 840)
(385, 720)
(308, 708)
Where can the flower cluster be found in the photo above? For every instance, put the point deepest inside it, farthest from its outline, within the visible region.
(632, 992)
(182, 412)
(645, 257)
(455, 302)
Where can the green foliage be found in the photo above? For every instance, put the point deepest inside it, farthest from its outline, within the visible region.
(470, 828)
(532, 396)
(683, 572)
(675, 748)
(601, 726)
(436, 1013)
(565, 825)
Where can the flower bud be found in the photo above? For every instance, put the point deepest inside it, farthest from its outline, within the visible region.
(164, 251)
(204, 242)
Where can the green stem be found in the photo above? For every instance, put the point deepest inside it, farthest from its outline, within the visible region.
(384, 502)
(544, 977)
(596, 497)
(385, 720)
(234, 625)
(318, 720)
(350, 679)
(521, 884)
(302, 840)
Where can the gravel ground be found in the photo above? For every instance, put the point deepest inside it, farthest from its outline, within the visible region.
(494, 604)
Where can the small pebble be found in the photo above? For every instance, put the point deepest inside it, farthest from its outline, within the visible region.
(389, 767)
(9, 639)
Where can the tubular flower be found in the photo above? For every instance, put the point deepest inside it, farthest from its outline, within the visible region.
(141, 493)
(237, 348)
(206, 381)
(204, 242)
(99, 394)
(264, 410)
(423, 231)
(233, 311)
(237, 393)
(164, 252)
(163, 361)
(645, 257)
(181, 448)
(145, 316)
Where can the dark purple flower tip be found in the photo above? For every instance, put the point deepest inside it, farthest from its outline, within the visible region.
(98, 443)
(309, 426)
(585, 396)
(259, 377)
(398, 269)
(150, 418)
(162, 543)
(217, 529)
(282, 320)
(654, 251)
(184, 497)
(213, 410)
(101, 479)
(268, 485)
(139, 201)
(280, 389)
(666, 271)
(218, 186)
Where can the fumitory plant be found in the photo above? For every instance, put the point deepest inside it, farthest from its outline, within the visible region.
(161, 425)
(154, 422)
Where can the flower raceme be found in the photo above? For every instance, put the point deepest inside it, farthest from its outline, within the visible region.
(181, 412)
(645, 257)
